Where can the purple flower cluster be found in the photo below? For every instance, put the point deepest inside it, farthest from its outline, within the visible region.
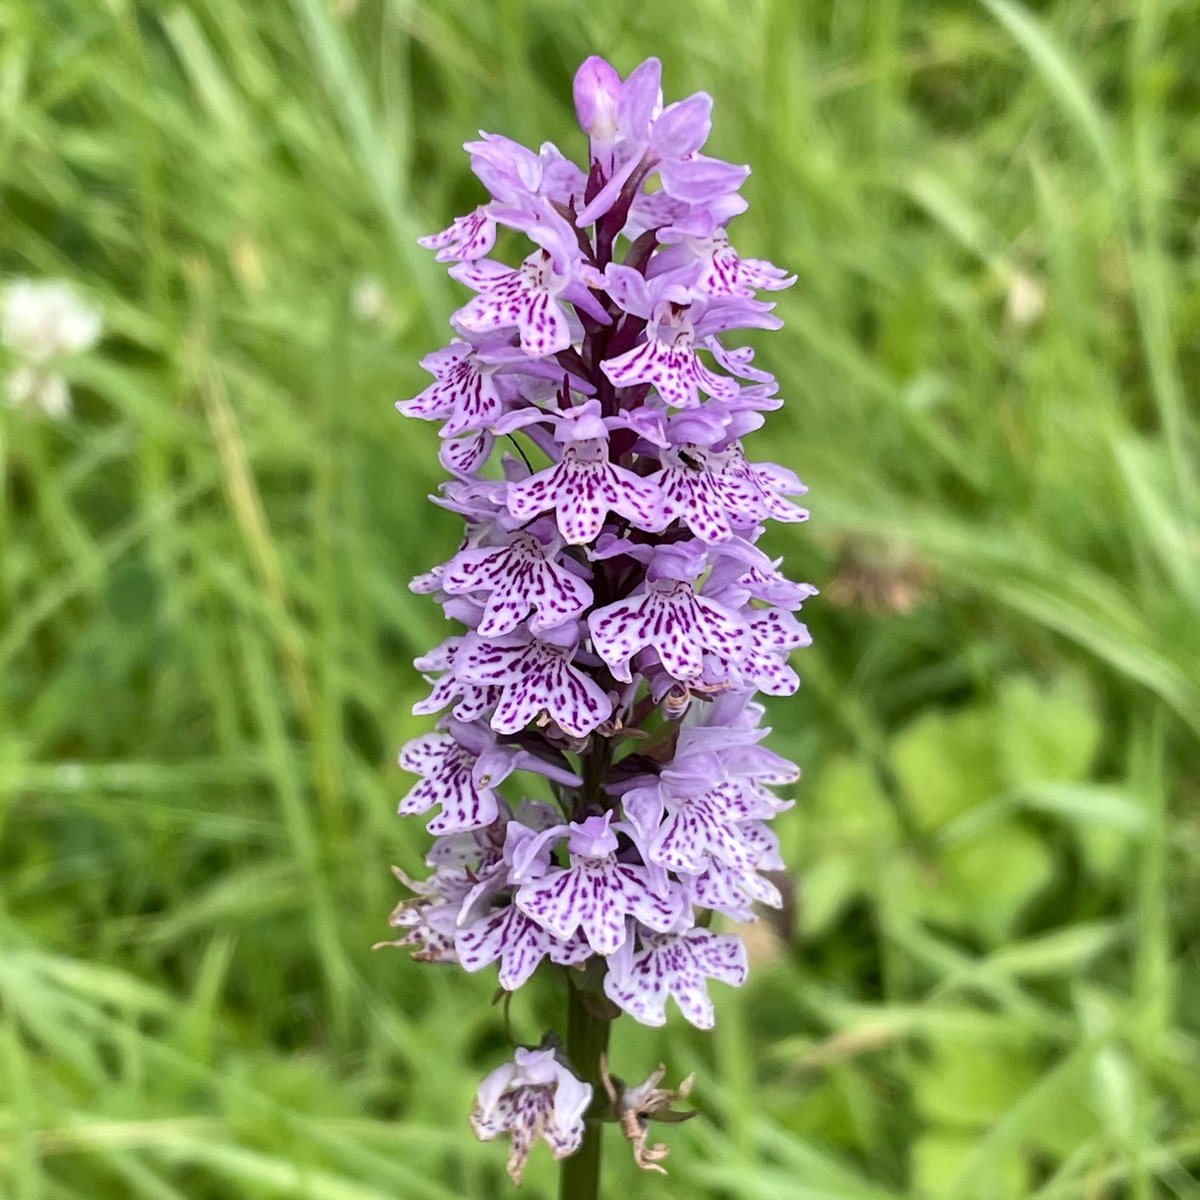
(618, 616)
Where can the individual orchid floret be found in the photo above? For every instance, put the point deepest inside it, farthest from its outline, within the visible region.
(464, 391)
(728, 274)
(715, 493)
(529, 191)
(739, 362)
(673, 620)
(532, 1097)
(667, 361)
(453, 778)
(740, 577)
(525, 299)
(774, 634)
(470, 699)
(772, 483)
(460, 770)
(596, 893)
(516, 577)
(582, 489)
(684, 829)
(510, 172)
(699, 489)
(519, 943)
(719, 270)
(534, 676)
(677, 965)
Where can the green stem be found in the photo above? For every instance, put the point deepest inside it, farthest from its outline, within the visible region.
(587, 1040)
(587, 1033)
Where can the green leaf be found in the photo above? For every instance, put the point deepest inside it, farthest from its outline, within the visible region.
(849, 824)
(995, 875)
(946, 764)
(826, 888)
(978, 886)
(938, 1158)
(967, 1083)
(1060, 952)
(1046, 733)
(848, 809)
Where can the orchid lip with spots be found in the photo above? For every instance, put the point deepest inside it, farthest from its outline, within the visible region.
(614, 614)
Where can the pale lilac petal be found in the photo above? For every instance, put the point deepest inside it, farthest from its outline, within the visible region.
(628, 288)
(597, 91)
(470, 236)
(683, 127)
(700, 179)
(465, 455)
(641, 97)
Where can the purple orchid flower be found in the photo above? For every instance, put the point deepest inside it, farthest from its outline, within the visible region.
(677, 965)
(531, 676)
(518, 576)
(464, 391)
(582, 489)
(610, 567)
(530, 1098)
(525, 299)
(596, 893)
(669, 617)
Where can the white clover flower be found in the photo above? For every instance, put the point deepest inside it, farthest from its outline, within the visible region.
(42, 322)
(370, 303)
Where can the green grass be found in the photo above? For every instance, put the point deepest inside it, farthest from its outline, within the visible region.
(989, 986)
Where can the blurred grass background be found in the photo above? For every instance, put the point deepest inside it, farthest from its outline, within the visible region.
(989, 986)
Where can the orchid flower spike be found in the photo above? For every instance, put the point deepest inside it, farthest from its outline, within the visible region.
(616, 615)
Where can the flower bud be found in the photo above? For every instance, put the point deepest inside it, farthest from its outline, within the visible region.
(597, 90)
